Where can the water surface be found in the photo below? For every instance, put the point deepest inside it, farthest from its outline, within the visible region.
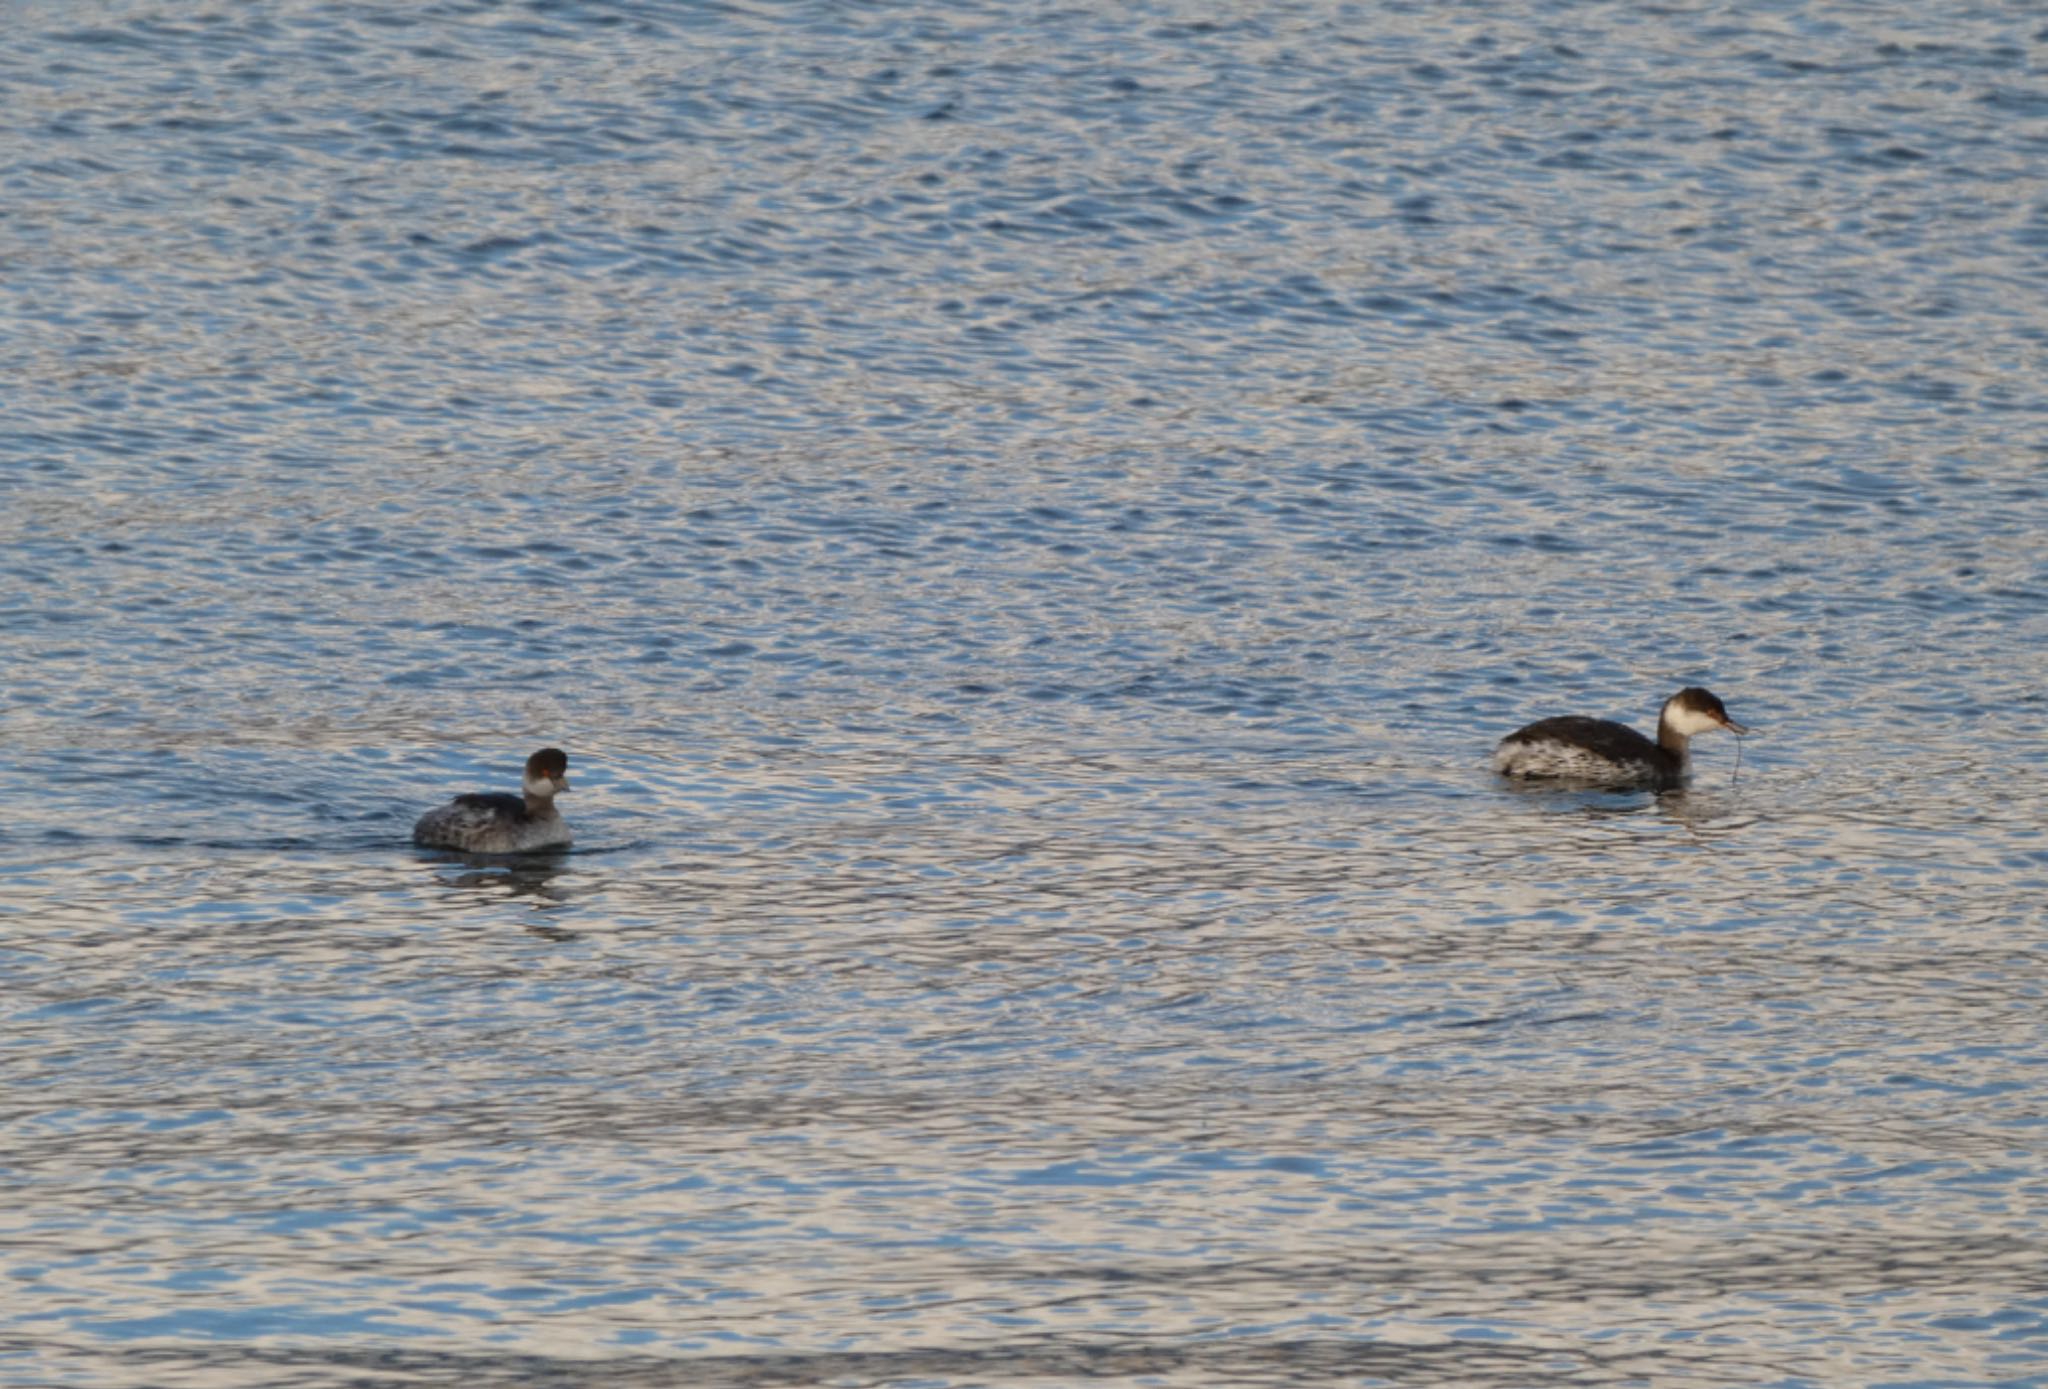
(1028, 521)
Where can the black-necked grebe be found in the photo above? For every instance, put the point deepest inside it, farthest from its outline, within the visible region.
(1602, 752)
(498, 822)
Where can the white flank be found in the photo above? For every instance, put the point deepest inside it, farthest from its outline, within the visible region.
(1567, 760)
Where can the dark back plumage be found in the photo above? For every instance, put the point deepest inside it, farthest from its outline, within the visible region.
(1573, 747)
(1603, 737)
(501, 804)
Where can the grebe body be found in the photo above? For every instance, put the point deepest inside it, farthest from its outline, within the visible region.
(1601, 752)
(498, 822)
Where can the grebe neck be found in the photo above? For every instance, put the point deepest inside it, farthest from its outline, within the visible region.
(1670, 739)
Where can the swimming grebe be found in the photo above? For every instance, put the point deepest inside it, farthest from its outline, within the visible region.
(1602, 752)
(497, 822)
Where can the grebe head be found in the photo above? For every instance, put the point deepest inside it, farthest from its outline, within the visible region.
(547, 772)
(1694, 710)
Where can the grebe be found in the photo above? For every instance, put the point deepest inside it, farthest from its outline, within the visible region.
(1602, 752)
(497, 822)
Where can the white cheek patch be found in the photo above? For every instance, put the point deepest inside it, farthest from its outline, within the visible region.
(539, 787)
(1692, 722)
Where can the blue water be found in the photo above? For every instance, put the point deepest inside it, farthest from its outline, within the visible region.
(1028, 521)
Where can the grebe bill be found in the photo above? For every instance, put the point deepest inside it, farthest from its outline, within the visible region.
(497, 822)
(1602, 752)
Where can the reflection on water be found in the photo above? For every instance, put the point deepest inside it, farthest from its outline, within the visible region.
(1029, 524)
(506, 877)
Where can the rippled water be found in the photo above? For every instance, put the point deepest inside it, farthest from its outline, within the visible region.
(1028, 520)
